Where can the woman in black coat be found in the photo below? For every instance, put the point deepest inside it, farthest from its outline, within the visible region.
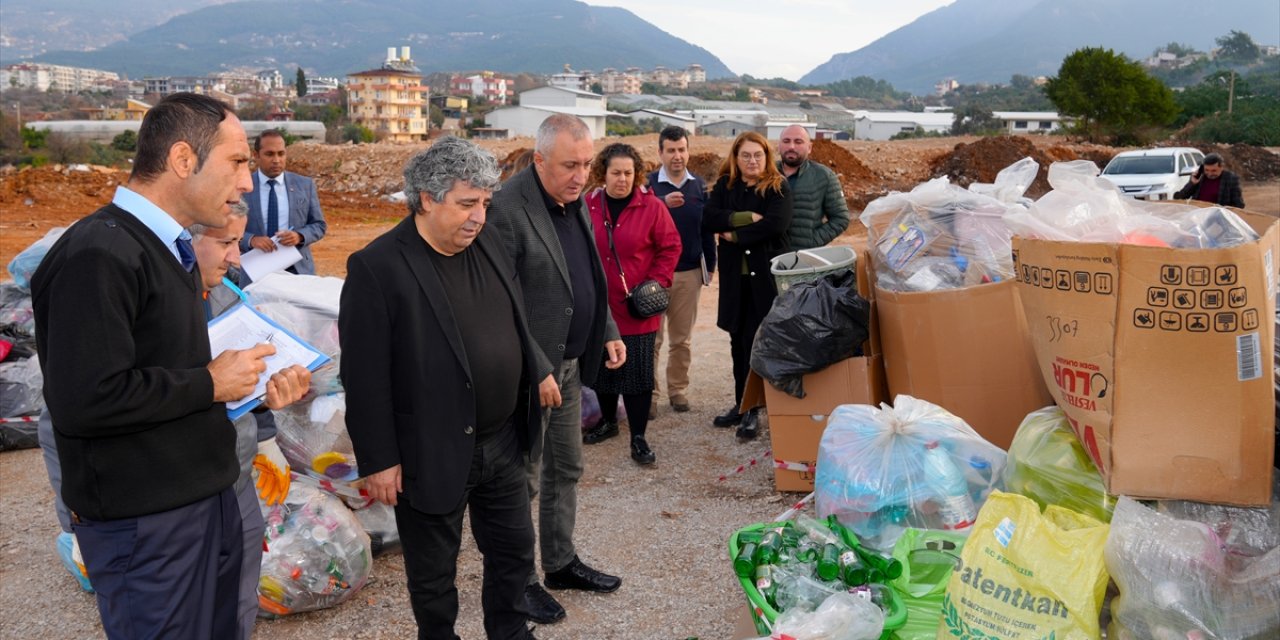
(750, 209)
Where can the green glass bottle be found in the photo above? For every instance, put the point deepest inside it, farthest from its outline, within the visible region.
(829, 562)
(888, 567)
(744, 563)
(852, 572)
(764, 582)
(768, 549)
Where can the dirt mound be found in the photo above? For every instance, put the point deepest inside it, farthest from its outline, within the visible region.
(83, 189)
(1250, 162)
(515, 161)
(705, 165)
(982, 160)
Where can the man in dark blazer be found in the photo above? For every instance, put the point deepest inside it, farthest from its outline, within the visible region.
(442, 381)
(147, 454)
(298, 222)
(1213, 183)
(547, 232)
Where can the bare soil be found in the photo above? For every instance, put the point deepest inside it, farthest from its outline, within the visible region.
(663, 529)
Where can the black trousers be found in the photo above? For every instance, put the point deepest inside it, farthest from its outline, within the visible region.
(741, 339)
(499, 500)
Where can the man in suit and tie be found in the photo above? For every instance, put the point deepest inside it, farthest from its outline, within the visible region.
(546, 230)
(283, 205)
(443, 382)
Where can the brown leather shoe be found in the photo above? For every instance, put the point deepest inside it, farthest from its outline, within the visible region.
(679, 403)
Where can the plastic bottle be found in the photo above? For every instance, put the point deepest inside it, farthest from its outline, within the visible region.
(955, 505)
(982, 467)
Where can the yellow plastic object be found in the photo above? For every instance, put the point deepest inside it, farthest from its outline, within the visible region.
(1048, 464)
(322, 462)
(1025, 575)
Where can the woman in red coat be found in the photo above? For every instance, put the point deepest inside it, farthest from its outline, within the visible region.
(645, 246)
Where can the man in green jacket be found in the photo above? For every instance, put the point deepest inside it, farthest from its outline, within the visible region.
(819, 213)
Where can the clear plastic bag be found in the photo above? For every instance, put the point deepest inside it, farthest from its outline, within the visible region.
(810, 326)
(1188, 570)
(1048, 464)
(379, 521)
(313, 438)
(882, 470)
(25, 263)
(308, 307)
(317, 555)
(1011, 182)
(842, 616)
(940, 236)
(1085, 208)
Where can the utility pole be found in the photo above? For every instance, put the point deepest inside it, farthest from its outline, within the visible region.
(1231, 91)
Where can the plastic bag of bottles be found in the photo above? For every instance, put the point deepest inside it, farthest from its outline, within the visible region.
(379, 521)
(25, 263)
(842, 616)
(313, 438)
(1189, 570)
(1048, 464)
(810, 326)
(882, 470)
(939, 236)
(308, 307)
(1085, 208)
(317, 554)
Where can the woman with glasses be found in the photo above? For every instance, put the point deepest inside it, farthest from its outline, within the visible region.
(750, 209)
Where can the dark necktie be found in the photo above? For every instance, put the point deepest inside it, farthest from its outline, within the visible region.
(273, 209)
(186, 254)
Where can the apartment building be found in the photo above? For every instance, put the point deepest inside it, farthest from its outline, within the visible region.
(488, 85)
(390, 100)
(55, 77)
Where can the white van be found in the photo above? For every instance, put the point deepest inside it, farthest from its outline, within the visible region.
(1153, 174)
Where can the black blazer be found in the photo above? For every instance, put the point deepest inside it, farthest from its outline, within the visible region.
(409, 396)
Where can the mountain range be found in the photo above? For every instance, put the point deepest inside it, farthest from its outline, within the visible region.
(976, 41)
(336, 37)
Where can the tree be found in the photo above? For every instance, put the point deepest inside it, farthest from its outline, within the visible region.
(357, 133)
(301, 83)
(974, 120)
(1237, 46)
(127, 140)
(1176, 48)
(1111, 95)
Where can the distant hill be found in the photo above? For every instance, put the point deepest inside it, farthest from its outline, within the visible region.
(335, 37)
(33, 27)
(990, 40)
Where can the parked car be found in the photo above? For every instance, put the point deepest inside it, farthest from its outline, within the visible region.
(1153, 174)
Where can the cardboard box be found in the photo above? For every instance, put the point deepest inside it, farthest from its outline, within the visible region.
(966, 350)
(1162, 360)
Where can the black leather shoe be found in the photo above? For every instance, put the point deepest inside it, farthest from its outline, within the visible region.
(579, 576)
(543, 609)
(750, 426)
(729, 418)
(640, 451)
(603, 430)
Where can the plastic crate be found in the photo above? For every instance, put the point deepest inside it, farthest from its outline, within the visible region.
(809, 265)
(761, 611)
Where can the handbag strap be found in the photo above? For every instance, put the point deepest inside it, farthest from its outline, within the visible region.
(608, 229)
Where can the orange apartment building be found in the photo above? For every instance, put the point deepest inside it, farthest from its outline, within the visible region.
(390, 101)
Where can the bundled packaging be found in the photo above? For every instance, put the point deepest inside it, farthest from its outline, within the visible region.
(1151, 325)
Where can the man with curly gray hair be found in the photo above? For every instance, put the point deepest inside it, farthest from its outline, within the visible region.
(442, 381)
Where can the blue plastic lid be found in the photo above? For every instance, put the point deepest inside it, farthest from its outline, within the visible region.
(979, 463)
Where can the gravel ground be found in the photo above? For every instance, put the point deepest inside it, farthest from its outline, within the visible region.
(662, 529)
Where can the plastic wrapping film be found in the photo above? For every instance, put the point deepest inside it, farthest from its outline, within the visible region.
(877, 475)
(841, 616)
(1048, 464)
(317, 554)
(1085, 208)
(940, 236)
(1194, 570)
(23, 265)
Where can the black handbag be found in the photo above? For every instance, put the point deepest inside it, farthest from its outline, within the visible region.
(649, 298)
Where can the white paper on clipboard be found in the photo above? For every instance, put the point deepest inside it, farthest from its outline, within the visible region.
(258, 264)
(242, 327)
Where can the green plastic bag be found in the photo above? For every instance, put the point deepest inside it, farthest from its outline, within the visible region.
(928, 558)
(1048, 464)
(1025, 575)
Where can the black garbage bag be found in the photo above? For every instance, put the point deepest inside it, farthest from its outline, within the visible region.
(810, 326)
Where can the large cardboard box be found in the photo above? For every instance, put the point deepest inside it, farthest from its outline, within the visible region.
(1161, 359)
(966, 350)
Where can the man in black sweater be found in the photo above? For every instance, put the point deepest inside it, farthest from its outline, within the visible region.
(148, 454)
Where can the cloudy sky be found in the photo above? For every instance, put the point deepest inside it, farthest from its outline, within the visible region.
(777, 38)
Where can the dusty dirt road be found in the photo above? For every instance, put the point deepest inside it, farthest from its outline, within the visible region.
(663, 529)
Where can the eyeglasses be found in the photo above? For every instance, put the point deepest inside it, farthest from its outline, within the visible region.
(756, 157)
